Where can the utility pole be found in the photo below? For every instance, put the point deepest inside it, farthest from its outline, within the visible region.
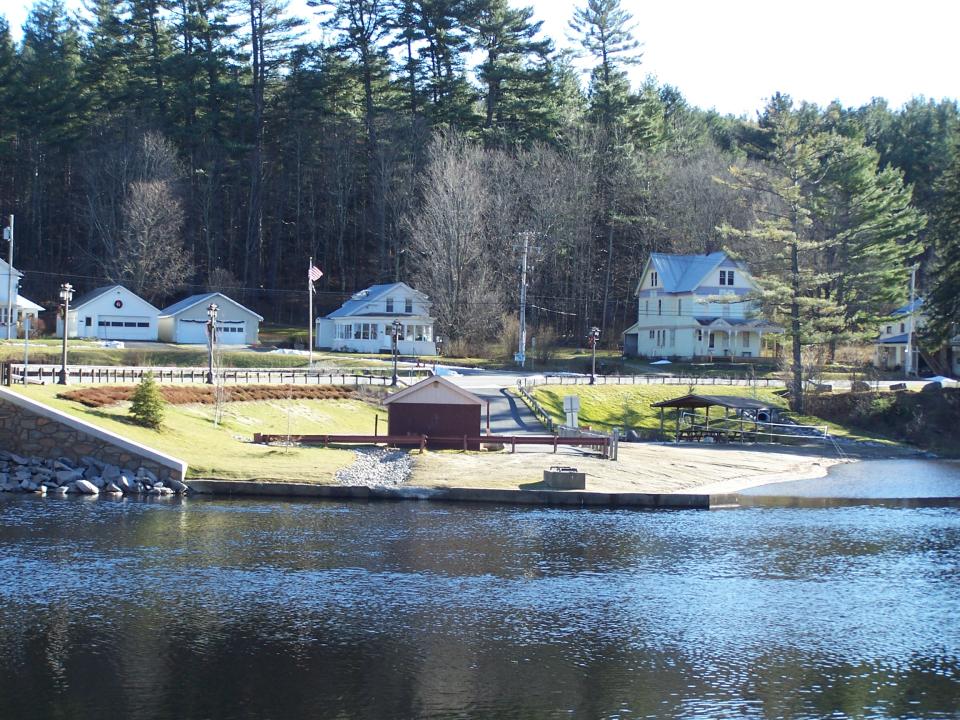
(8, 235)
(908, 360)
(522, 350)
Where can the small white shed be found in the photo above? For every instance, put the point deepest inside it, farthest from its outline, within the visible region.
(111, 312)
(185, 322)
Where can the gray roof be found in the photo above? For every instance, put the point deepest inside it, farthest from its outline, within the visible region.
(372, 294)
(189, 302)
(728, 401)
(908, 308)
(684, 273)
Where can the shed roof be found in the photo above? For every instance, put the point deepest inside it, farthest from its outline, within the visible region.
(409, 394)
(733, 402)
(894, 340)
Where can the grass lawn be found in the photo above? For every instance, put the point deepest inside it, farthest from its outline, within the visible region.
(609, 406)
(226, 451)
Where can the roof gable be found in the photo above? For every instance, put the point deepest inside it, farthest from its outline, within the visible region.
(684, 273)
(4, 267)
(189, 302)
(106, 290)
(442, 389)
(360, 300)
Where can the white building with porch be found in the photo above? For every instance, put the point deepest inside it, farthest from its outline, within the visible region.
(20, 307)
(695, 306)
(364, 323)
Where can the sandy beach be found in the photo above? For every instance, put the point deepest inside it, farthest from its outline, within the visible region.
(641, 467)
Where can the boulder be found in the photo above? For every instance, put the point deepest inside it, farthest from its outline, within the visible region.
(58, 491)
(42, 489)
(92, 462)
(87, 488)
(932, 387)
(177, 486)
(860, 386)
(110, 472)
(67, 476)
(19, 460)
(97, 481)
(62, 464)
(126, 483)
(143, 473)
(113, 488)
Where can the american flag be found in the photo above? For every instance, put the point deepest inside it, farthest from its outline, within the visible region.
(314, 273)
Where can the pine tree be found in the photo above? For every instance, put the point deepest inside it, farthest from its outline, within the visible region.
(942, 306)
(147, 404)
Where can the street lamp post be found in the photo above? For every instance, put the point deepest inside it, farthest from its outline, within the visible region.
(211, 340)
(397, 327)
(594, 336)
(66, 294)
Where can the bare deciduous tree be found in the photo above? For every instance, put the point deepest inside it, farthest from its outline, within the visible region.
(449, 238)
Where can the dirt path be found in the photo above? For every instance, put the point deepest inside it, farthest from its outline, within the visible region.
(642, 467)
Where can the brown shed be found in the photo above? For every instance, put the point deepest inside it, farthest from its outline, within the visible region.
(437, 408)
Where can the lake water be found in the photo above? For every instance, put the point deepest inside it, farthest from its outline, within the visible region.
(270, 609)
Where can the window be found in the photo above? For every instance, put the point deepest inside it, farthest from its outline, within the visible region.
(889, 329)
(129, 324)
(408, 306)
(88, 322)
(726, 277)
(344, 332)
(726, 310)
(646, 309)
(654, 280)
(659, 307)
(116, 324)
(104, 323)
(679, 307)
(903, 327)
(389, 305)
(712, 341)
(364, 331)
(142, 324)
(673, 338)
(652, 334)
(746, 340)
(699, 335)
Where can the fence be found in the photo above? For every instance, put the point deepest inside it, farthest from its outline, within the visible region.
(603, 443)
(566, 432)
(745, 380)
(14, 373)
(535, 407)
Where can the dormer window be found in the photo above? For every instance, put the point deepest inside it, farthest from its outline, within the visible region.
(408, 306)
(389, 305)
(654, 281)
(726, 277)
(903, 327)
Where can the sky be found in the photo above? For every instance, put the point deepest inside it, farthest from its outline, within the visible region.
(731, 56)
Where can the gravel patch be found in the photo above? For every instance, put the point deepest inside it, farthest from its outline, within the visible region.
(377, 467)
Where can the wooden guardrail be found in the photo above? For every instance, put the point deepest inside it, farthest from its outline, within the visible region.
(421, 441)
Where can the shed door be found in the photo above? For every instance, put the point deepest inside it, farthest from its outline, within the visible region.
(124, 327)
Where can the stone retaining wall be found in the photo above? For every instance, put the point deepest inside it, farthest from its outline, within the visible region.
(33, 429)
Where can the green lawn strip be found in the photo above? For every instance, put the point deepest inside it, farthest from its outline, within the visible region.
(226, 451)
(605, 407)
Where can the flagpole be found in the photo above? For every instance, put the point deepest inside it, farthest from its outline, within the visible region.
(310, 294)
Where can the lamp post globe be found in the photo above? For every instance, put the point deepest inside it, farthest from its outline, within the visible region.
(211, 340)
(66, 295)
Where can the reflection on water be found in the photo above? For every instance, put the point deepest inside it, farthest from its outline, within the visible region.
(875, 479)
(271, 609)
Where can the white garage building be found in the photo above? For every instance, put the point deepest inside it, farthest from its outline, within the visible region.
(185, 322)
(111, 312)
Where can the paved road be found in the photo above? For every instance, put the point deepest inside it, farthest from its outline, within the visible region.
(509, 415)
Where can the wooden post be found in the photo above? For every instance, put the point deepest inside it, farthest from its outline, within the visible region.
(376, 425)
(661, 421)
(488, 417)
(513, 443)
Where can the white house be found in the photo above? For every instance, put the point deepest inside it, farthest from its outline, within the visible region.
(364, 323)
(111, 312)
(21, 306)
(695, 306)
(891, 350)
(185, 322)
